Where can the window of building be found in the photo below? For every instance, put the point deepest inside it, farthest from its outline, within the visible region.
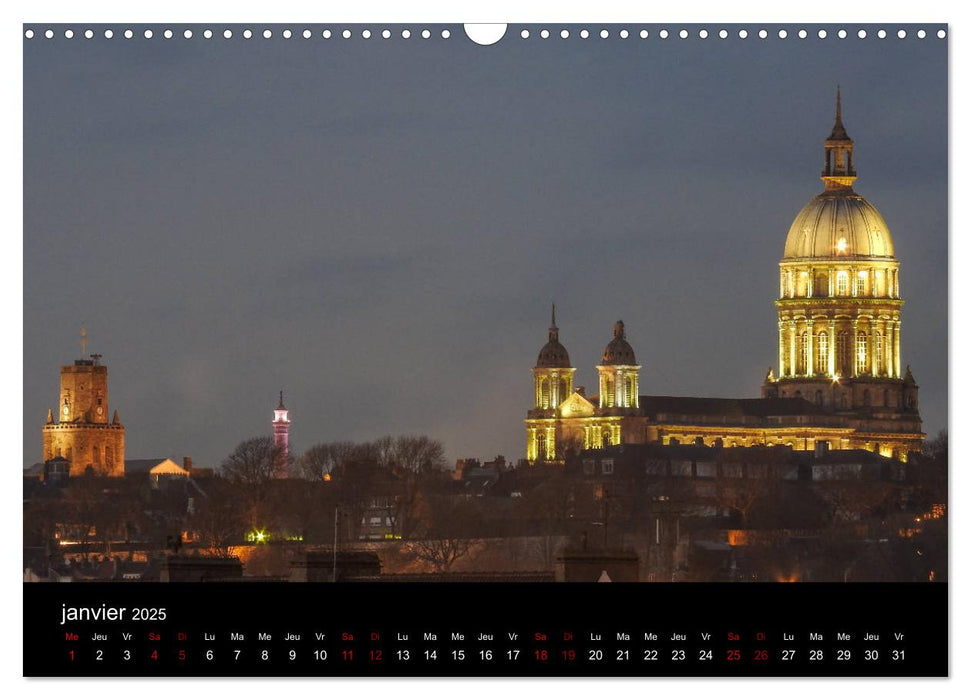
(861, 352)
(803, 352)
(588, 466)
(608, 466)
(861, 280)
(843, 351)
(732, 471)
(842, 283)
(822, 353)
(656, 468)
(681, 469)
(822, 285)
(757, 471)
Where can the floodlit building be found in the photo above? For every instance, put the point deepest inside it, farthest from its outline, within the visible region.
(79, 430)
(840, 380)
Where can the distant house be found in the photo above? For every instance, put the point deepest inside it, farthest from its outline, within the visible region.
(155, 469)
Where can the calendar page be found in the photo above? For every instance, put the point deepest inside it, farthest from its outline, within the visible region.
(520, 350)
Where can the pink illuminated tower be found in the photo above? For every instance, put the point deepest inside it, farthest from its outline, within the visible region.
(281, 437)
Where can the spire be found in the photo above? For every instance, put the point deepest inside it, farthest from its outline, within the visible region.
(50, 416)
(619, 329)
(281, 400)
(84, 340)
(839, 131)
(114, 419)
(554, 331)
(838, 172)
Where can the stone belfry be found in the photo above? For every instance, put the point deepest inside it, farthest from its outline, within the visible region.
(839, 300)
(281, 438)
(78, 430)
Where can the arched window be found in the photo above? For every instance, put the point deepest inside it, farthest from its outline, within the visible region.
(629, 390)
(544, 393)
(822, 353)
(842, 283)
(843, 356)
(541, 446)
(861, 280)
(861, 352)
(803, 352)
(609, 389)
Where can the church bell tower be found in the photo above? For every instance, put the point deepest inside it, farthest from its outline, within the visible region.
(79, 430)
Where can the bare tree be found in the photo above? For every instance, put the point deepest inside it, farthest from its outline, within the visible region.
(254, 461)
(218, 521)
(443, 531)
(740, 495)
(323, 459)
(440, 553)
(417, 453)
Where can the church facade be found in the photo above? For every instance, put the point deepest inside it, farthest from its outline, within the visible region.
(840, 379)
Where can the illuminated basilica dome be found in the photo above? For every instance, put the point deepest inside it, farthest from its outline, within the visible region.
(839, 224)
(839, 299)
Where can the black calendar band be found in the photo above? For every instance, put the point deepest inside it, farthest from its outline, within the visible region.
(494, 629)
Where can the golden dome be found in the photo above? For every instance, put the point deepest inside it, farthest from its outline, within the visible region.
(839, 224)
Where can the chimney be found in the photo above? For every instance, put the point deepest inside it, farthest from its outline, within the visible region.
(187, 463)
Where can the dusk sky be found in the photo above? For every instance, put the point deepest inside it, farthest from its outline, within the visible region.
(378, 227)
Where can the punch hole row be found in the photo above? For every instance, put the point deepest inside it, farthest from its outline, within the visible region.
(245, 34)
(446, 34)
(725, 34)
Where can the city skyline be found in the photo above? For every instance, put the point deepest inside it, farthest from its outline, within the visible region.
(412, 294)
